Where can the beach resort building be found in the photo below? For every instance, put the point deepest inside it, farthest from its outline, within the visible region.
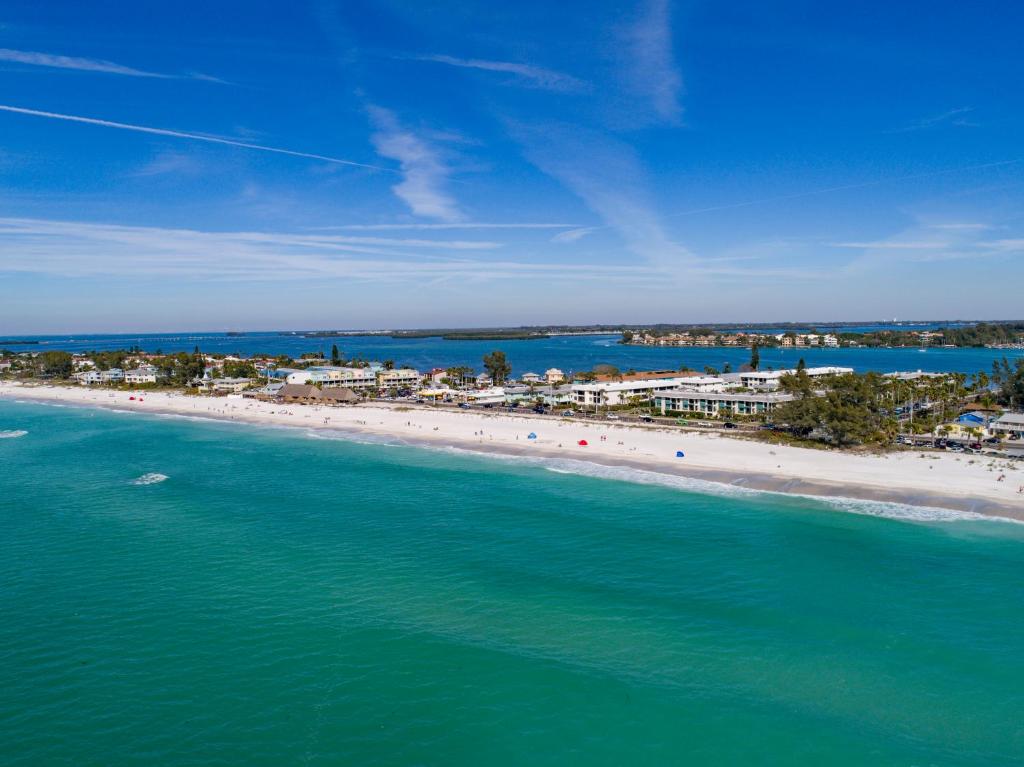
(403, 378)
(553, 375)
(1008, 426)
(301, 393)
(704, 384)
(270, 391)
(972, 425)
(530, 378)
(547, 395)
(494, 395)
(729, 403)
(93, 377)
(226, 385)
(611, 391)
(338, 395)
(321, 375)
(769, 379)
(144, 374)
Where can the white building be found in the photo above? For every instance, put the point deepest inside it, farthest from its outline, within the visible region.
(144, 374)
(530, 378)
(612, 393)
(492, 396)
(92, 377)
(769, 379)
(353, 378)
(1008, 425)
(710, 404)
(703, 384)
(553, 375)
(230, 385)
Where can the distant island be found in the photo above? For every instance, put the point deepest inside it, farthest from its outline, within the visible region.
(999, 335)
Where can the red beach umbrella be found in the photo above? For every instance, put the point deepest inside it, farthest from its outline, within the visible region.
(582, 442)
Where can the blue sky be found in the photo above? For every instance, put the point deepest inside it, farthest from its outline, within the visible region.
(392, 164)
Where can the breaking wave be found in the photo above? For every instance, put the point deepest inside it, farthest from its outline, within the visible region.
(151, 478)
(12, 434)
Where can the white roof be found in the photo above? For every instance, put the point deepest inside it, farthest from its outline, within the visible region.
(1015, 418)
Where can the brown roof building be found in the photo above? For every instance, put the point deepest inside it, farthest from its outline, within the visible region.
(339, 395)
(299, 393)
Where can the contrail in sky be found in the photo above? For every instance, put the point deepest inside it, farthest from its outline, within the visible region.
(192, 136)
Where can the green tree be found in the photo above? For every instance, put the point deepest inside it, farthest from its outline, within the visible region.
(497, 366)
(335, 355)
(755, 356)
(1009, 379)
(455, 375)
(57, 364)
(241, 369)
(801, 364)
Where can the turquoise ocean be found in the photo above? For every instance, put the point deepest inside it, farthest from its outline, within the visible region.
(182, 592)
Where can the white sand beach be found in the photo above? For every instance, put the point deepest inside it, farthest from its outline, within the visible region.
(944, 480)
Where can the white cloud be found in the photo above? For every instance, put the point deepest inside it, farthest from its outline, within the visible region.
(460, 225)
(183, 134)
(955, 117)
(607, 175)
(425, 171)
(56, 61)
(531, 75)
(649, 63)
(170, 163)
(926, 241)
(80, 249)
(573, 235)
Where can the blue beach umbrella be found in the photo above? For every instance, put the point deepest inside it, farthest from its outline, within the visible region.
(679, 454)
(531, 436)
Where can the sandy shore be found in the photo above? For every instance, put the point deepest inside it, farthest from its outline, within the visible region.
(958, 482)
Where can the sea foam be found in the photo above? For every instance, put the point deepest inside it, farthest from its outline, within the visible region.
(885, 509)
(151, 478)
(12, 434)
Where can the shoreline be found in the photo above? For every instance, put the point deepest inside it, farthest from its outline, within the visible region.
(938, 481)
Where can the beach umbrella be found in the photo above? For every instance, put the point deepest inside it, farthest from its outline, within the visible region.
(679, 454)
(582, 442)
(531, 435)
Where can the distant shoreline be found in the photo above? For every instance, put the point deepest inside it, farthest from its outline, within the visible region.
(905, 478)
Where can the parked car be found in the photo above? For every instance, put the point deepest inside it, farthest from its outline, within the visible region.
(730, 425)
(464, 405)
(568, 413)
(612, 417)
(646, 419)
